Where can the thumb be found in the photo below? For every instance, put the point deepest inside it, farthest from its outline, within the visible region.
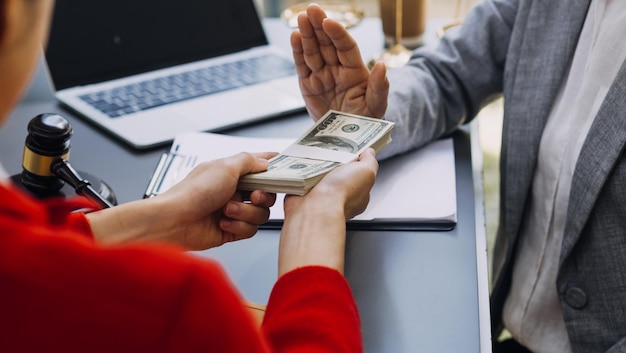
(247, 163)
(378, 90)
(369, 157)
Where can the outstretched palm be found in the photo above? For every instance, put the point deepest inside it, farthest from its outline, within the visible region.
(331, 72)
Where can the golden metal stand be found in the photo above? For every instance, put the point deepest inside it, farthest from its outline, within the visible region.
(397, 55)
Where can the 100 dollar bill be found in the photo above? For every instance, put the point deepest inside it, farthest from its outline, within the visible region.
(334, 139)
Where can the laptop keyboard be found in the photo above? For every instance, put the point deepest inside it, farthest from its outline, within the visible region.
(187, 85)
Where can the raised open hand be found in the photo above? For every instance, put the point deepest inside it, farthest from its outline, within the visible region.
(331, 71)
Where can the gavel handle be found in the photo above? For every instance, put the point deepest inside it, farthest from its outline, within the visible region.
(64, 170)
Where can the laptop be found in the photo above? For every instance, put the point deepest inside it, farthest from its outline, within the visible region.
(147, 70)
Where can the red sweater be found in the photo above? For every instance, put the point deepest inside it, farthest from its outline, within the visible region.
(60, 292)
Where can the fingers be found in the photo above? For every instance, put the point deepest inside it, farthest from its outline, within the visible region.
(241, 220)
(258, 198)
(327, 48)
(262, 199)
(327, 40)
(343, 44)
(247, 163)
(369, 167)
(236, 234)
(369, 157)
(317, 48)
(323, 41)
(378, 90)
(264, 155)
(246, 212)
(302, 69)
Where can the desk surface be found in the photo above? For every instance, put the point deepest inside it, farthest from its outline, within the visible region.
(417, 291)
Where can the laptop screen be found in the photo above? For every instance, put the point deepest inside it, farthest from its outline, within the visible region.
(95, 41)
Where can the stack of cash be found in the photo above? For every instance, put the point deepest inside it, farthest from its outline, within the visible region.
(335, 139)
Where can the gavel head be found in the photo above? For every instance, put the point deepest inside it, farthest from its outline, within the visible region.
(48, 140)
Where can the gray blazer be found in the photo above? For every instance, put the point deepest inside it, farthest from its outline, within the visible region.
(521, 49)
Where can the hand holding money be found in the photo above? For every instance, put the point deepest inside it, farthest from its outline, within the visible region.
(334, 139)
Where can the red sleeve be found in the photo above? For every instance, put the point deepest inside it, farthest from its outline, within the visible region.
(311, 309)
(80, 223)
(66, 296)
(61, 211)
(60, 292)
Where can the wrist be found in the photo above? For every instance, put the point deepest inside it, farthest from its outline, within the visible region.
(313, 234)
(130, 222)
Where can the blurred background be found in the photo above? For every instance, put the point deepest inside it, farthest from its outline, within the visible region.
(435, 8)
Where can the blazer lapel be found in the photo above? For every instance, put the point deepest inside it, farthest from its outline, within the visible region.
(600, 151)
(546, 48)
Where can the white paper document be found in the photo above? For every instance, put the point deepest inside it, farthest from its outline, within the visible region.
(416, 190)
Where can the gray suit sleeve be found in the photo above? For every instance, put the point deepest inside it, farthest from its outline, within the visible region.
(442, 88)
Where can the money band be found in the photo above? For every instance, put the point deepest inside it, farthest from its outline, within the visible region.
(320, 153)
(38, 164)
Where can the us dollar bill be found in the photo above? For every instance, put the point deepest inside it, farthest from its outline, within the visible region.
(346, 132)
(334, 139)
